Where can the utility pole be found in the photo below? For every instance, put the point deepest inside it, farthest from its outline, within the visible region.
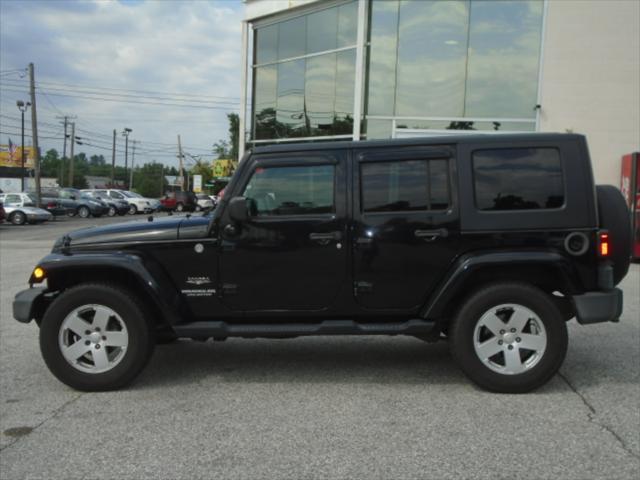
(181, 157)
(22, 106)
(125, 134)
(34, 133)
(73, 141)
(65, 119)
(113, 159)
(133, 159)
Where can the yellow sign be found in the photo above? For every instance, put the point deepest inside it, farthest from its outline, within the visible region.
(11, 156)
(222, 168)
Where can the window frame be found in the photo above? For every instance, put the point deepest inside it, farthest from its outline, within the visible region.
(579, 207)
(428, 161)
(563, 181)
(297, 161)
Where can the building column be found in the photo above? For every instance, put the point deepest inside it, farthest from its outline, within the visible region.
(244, 78)
(359, 80)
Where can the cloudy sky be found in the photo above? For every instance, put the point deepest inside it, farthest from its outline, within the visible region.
(159, 67)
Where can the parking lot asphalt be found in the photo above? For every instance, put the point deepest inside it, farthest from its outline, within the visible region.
(318, 407)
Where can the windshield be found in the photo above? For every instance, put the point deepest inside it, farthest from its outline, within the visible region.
(131, 194)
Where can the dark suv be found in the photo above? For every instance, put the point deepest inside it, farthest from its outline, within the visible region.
(491, 243)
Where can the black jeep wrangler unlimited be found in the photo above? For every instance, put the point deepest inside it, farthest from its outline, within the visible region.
(490, 242)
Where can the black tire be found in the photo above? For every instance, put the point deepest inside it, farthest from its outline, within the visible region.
(198, 208)
(111, 212)
(463, 329)
(133, 209)
(179, 207)
(84, 212)
(131, 311)
(614, 216)
(18, 218)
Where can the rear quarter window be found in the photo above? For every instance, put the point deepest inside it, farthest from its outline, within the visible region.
(518, 179)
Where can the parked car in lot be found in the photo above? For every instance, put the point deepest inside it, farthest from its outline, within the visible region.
(478, 240)
(21, 199)
(114, 206)
(179, 201)
(137, 203)
(18, 211)
(203, 202)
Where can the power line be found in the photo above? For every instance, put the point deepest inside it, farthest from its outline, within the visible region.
(140, 102)
(147, 95)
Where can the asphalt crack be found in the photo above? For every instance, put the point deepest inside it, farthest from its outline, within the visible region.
(55, 413)
(592, 418)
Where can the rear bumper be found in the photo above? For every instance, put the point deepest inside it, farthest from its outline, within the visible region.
(598, 307)
(25, 304)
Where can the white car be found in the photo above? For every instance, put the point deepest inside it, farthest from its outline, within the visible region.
(19, 212)
(137, 203)
(203, 202)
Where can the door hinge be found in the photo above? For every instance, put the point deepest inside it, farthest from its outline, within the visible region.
(362, 287)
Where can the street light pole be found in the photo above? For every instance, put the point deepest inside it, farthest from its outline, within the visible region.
(22, 106)
(126, 133)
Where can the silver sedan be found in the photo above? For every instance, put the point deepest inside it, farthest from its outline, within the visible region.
(22, 215)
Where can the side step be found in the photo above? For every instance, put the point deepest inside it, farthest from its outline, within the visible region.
(220, 329)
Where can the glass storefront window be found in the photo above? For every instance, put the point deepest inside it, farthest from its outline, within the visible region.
(347, 24)
(267, 44)
(382, 58)
(291, 118)
(322, 30)
(313, 95)
(292, 38)
(504, 54)
(432, 48)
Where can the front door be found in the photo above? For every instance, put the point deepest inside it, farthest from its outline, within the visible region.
(289, 255)
(405, 225)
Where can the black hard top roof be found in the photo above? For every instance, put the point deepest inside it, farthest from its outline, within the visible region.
(431, 140)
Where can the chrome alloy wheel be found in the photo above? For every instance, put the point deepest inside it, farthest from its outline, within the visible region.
(509, 339)
(93, 338)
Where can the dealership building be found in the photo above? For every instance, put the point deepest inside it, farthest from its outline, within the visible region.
(407, 68)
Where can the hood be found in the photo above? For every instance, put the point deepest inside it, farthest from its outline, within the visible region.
(136, 231)
(158, 230)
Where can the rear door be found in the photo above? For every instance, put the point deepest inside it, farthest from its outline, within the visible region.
(405, 226)
(289, 255)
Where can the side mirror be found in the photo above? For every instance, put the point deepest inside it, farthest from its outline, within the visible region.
(238, 210)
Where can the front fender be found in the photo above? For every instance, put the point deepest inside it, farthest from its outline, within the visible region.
(457, 280)
(148, 275)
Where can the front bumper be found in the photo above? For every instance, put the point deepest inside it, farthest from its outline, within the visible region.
(26, 304)
(598, 307)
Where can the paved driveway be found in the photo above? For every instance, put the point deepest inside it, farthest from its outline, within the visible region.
(314, 407)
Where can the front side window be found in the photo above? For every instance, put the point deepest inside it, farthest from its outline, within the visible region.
(291, 190)
(117, 195)
(518, 179)
(405, 186)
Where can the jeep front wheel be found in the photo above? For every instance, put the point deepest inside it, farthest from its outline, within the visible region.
(95, 337)
(509, 338)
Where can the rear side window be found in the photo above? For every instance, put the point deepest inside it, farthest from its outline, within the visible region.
(518, 179)
(405, 186)
(304, 190)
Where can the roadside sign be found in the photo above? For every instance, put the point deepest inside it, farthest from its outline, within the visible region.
(197, 183)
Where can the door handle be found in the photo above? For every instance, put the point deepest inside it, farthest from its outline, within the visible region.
(431, 235)
(325, 238)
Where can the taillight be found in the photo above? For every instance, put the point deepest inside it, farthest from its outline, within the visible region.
(51, 205)
(603, 244)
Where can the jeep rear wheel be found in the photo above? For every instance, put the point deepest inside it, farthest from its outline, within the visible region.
(509, 338)
(95, 337)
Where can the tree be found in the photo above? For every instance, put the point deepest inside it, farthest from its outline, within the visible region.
(221, 148)
(148, 180)
(234, 135)
(202, 168)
